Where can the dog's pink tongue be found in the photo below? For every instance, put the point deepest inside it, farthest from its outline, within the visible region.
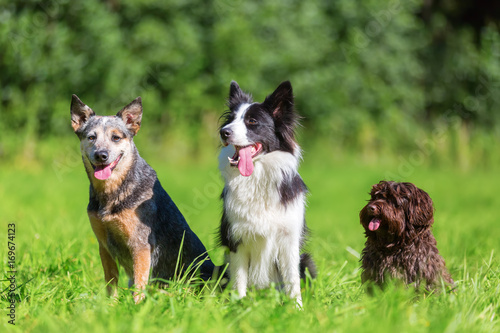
(374, 224)
(102, 172)
(245, 165)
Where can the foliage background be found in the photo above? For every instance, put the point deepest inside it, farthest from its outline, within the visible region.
(374, 76)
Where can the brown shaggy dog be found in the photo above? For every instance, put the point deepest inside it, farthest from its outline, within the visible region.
(399, 243)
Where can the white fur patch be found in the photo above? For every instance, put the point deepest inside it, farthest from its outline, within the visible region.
(270, 233)
(238, 126)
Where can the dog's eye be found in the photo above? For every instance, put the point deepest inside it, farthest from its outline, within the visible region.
(91, 137)
(252, 121)
(115, 138)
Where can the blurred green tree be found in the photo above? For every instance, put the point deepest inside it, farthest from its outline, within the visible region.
(359, 70)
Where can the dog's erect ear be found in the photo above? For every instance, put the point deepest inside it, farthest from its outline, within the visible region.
(280, 102)
(237, 96)
(132, 115)
(280, 106)
(80, 113)
(234, 90)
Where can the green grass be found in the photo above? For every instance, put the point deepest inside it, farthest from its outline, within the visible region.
(60, 277)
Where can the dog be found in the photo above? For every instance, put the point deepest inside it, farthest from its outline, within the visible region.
(399, 242)
(263, 222)
(135, 221)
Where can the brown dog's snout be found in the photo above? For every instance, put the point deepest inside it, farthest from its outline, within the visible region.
(372, 209)
(101, 156)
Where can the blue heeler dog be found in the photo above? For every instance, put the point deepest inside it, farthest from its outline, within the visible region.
(135, 221)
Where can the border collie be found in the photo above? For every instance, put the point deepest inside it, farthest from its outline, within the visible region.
(263, 221)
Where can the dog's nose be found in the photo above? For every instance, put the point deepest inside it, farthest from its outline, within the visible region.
(101, 156)
(225, 133)
(372, 209)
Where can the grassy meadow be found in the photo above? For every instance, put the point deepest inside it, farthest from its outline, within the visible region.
(60, 278)
(396, 90)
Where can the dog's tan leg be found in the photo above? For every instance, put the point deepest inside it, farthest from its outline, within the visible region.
(110, 270)
(142, 265)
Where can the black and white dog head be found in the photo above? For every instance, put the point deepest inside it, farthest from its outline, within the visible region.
(256, 129)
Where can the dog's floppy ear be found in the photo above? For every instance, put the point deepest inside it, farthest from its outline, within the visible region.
(421, 208)
(80, 113)
(381, 186)
(237, 96)
(132, 115)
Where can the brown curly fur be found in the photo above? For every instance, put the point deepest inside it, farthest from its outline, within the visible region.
(399, 242)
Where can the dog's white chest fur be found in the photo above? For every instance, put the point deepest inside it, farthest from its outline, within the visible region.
(267, 230)
(253, 203)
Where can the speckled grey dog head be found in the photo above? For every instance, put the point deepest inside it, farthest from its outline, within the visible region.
(106, 141)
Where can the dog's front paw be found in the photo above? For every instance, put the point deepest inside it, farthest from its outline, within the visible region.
(139, 297)
(298, 303)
